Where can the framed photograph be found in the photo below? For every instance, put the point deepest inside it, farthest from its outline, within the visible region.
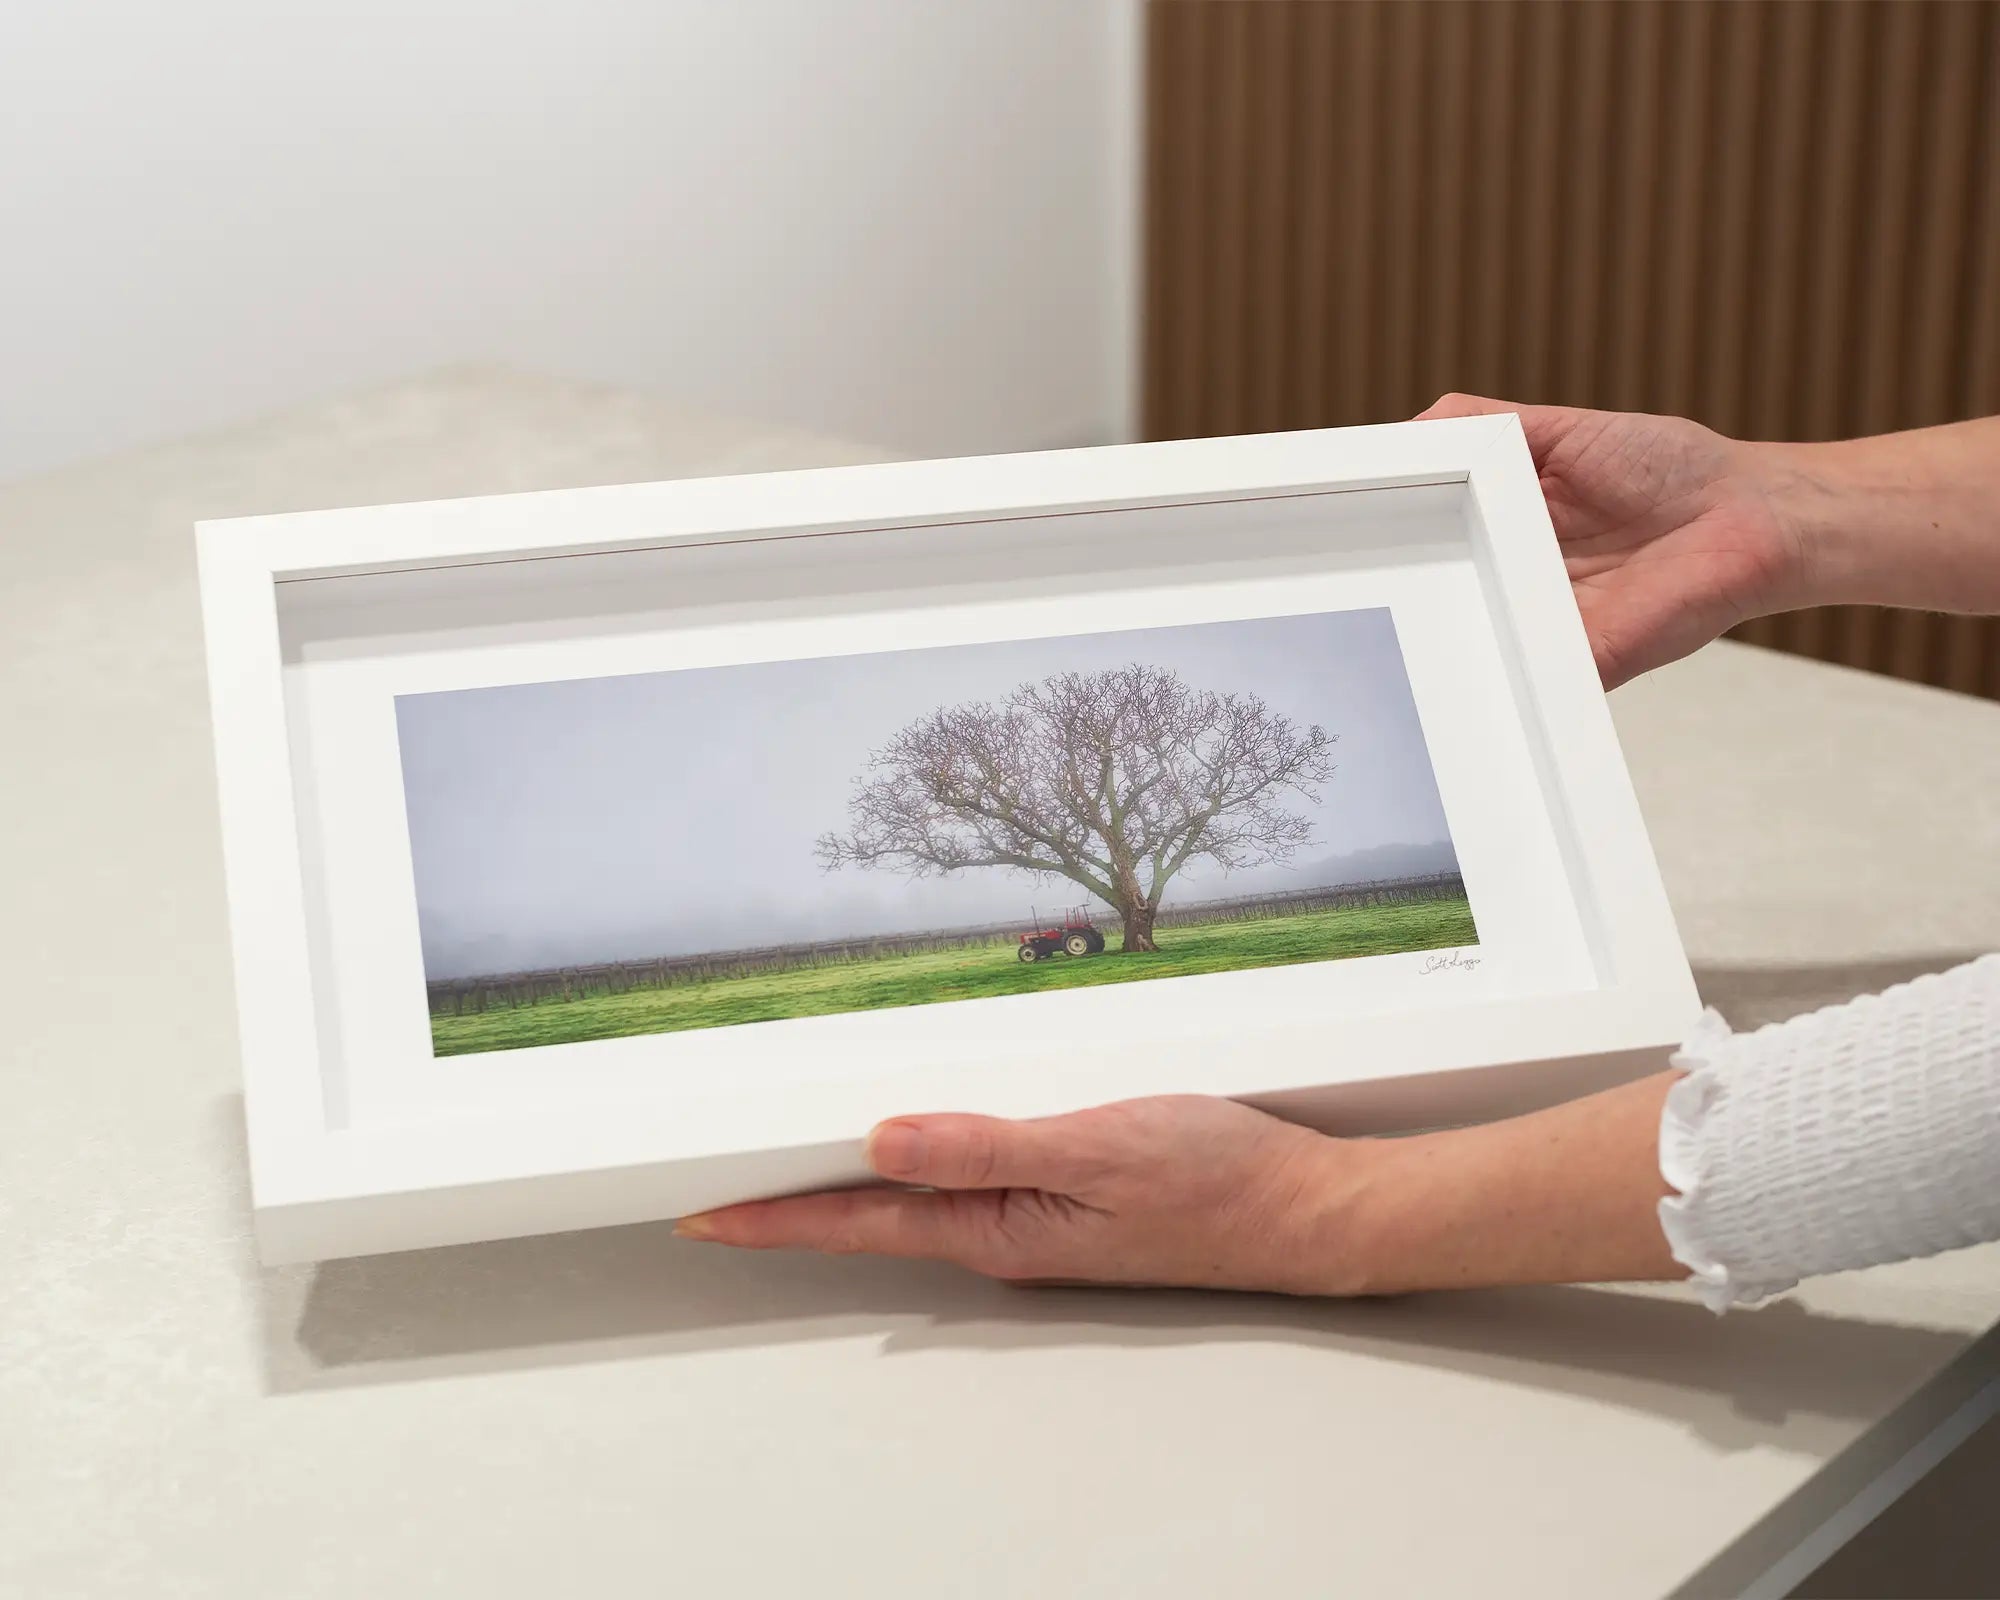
(604, 855)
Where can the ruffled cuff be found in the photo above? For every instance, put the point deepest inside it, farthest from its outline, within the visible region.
(1687, 1216)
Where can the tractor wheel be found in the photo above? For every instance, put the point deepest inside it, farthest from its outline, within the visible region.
(1029, 954)
(1077, 944)
(1096, 943)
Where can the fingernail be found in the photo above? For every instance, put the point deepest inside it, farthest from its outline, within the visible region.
(896, 1150)
(695, 1227)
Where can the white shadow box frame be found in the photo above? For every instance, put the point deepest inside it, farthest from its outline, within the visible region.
(362, 1141)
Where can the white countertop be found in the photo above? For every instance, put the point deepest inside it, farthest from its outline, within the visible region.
(620, 1413)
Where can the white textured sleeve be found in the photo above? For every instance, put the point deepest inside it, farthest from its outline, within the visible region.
(1864, 1133)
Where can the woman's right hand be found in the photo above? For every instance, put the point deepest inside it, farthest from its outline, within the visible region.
(1671, 532)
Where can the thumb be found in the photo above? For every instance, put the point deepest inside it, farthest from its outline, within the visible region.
(1462, 405)
(965, 1152)
(1543, 425)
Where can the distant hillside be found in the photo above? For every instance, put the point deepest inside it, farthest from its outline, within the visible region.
(1382, 861)
(1358, 866)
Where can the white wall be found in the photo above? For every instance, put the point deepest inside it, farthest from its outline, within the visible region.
(908, 222)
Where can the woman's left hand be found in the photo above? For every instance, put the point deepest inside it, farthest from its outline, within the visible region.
(1179, 1190)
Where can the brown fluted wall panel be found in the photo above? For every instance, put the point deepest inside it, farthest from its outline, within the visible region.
(1779, 216)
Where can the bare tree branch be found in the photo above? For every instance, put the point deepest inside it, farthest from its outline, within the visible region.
(1114, 780)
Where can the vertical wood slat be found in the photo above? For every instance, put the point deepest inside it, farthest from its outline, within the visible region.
(1719, 380)
(1441, 261)
(1977, 317)
(1531, 262)
(1315, 117)
(1581, 285)
(1637, 131)
(1229, 244)
(1781, 218)
(1688, 89)
(1273, 144)
(1172, 294)
(1352, 353)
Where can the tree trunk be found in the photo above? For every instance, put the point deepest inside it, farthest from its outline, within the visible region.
(1138, 927)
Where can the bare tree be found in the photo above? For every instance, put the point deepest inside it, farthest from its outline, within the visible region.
(1114, 780)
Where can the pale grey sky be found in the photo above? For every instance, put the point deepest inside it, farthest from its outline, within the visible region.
(600, 819)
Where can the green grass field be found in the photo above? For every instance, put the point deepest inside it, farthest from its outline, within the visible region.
(960, 975)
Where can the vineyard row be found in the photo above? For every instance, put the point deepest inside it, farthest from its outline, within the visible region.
(498, 991)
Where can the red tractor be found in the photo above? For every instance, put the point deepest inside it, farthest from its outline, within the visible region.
(1075, 937)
